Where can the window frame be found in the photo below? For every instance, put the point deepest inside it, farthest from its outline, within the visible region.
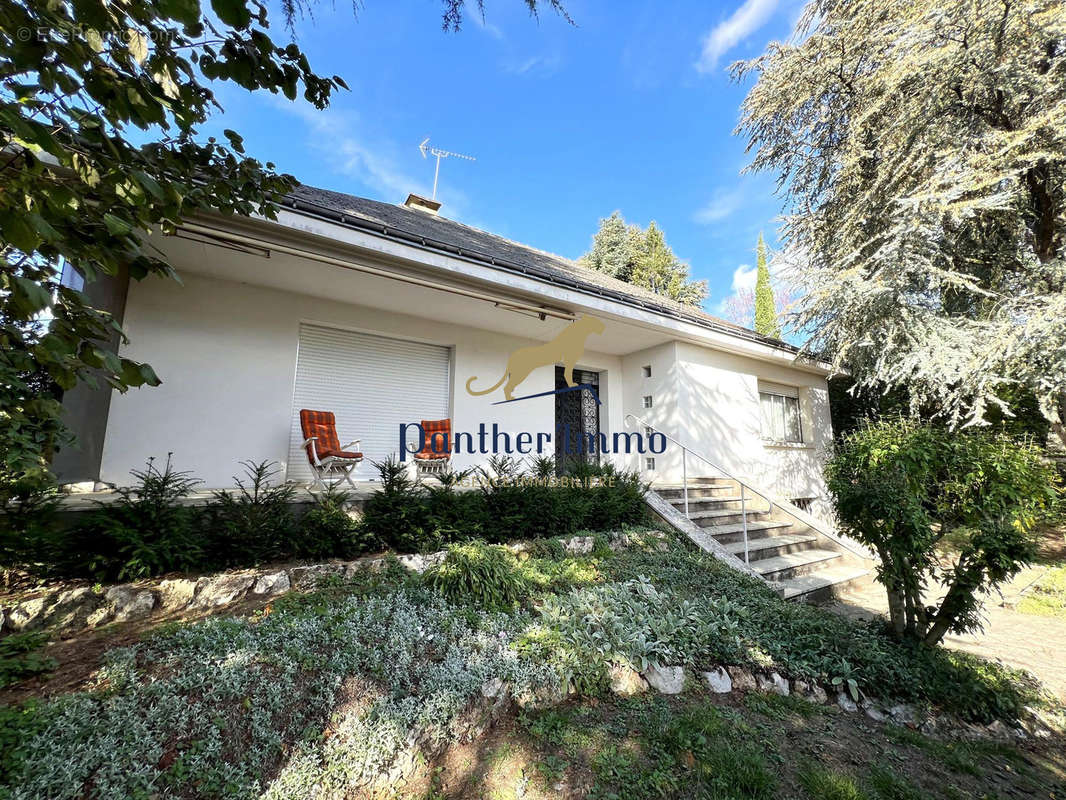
(770, 435)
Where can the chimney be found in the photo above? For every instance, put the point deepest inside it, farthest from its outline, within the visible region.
(422, 204)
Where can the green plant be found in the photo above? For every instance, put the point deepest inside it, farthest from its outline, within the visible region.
(146, 532)
(28, 504)
(480, 574)
(253, 522)
(396, 515)
(327, 529)
(18, 659)
(900, 487)
(821, 783)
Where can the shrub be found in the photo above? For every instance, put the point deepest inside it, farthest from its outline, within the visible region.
(327, 529)
(480, 574)
(396, 515)
(28, 503)
(146, 532)
(900, 487)
(254, 522)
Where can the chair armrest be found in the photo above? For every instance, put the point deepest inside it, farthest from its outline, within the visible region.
(355, 443)
(310, 440)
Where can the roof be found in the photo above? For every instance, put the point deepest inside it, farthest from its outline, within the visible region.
(445, 235)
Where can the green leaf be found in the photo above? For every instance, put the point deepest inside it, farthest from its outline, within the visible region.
(36, 297)
(138, 45)
(232, 12)
(116, 226)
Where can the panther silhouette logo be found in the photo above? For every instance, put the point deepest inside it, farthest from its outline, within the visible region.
(567, 347)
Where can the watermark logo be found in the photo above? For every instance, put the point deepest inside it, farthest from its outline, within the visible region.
(568, 347)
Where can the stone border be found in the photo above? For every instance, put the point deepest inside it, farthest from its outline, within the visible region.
(82, 607)
(1037, 723)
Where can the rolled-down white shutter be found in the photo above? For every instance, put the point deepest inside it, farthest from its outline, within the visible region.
(372, 384)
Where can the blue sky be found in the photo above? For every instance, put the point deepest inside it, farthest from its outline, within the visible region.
(631, 108)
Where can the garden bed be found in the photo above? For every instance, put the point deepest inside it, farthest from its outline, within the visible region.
(350, 685)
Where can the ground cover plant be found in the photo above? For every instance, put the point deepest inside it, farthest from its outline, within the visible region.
(328, 691)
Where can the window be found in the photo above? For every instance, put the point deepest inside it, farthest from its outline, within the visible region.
(649, 463)
(647, 401)
(646, 370)
(780, 417)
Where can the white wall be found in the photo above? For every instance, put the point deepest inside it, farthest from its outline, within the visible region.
(226, 353)
(719, 408)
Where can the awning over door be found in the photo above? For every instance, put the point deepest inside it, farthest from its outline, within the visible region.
(372, 383)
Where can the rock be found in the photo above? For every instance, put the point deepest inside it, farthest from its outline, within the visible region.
(809, 691)
(903, 714)
(626, 681)
(413, 561)
(718, 681)
(64, 609)
(846, 703)
(176, 593)
(743, 680)
(998, 730)
(306, 577)
(273, 583)
(579, 545)
(128, 602)
(101, 616)
(492, 688)
(874, 713)
(773, 683)
(667, 680)
(221, 590)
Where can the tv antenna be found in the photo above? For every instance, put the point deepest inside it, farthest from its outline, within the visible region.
(427, 151)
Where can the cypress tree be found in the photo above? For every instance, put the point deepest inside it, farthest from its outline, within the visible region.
(765, 314)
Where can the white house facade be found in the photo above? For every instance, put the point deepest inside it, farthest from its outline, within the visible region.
(382, 313)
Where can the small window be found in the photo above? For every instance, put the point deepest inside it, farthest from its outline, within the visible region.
(646, 370)
(649, 463)
(803, 503)
(71, 278)
(780, 417)
(647, 401)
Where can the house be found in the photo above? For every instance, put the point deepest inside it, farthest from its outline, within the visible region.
(386, 313)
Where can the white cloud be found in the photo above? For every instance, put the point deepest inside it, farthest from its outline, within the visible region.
(744, 277)
(492, 30)
(723, 203)
(535, 65)
(726, 35)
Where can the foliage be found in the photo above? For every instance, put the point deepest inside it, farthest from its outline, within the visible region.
(28, 503)
(99, 111)
(147, 531)
(175, 705)
(643, 258)
(900, 487)
(479, 574)
(396, 514)
(766, 321)
(18, 659)
(511, 504)
(921, 148)
(252, 523)
(328, 530)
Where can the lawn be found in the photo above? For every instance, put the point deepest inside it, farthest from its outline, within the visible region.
(348, 688)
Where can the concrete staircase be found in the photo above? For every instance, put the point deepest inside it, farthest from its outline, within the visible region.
(801, 562)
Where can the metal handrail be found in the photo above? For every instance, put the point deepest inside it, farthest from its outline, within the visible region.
(685, 450)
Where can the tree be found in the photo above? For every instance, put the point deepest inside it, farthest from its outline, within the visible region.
(905, 489)
(765, 313)
(642, 258)
(920, 146)
(100, 105)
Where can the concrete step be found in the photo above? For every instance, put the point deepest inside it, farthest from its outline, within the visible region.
(793, 565)
(734, 531)
(825, 583)
(771, 546)
(695, 504)
(672, 492)
(725, 516)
